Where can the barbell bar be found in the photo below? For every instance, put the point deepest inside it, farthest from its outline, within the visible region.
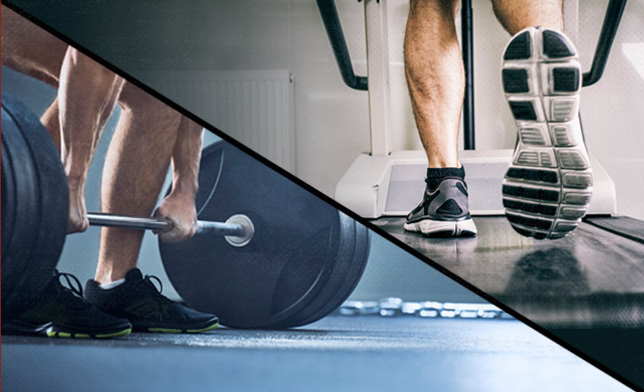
(238, 230)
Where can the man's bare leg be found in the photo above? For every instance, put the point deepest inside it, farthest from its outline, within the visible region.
(87, 91)
(135, 167)
(516, 15)
(147, 136)
(51, 121)
(434, 70)
(435, 75)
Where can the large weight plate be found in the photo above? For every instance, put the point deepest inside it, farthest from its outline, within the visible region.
(346, 272)
(34, 205)
(357, 264)
(286, 265)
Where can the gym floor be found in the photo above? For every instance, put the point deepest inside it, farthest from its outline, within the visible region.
(339, 353)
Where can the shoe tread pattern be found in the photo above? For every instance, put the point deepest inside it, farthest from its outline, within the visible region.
(548, 186)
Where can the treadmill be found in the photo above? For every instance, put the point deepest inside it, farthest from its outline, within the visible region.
(585, 291)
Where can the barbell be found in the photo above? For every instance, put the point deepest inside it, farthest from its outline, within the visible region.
(269, 254)
(238, 230)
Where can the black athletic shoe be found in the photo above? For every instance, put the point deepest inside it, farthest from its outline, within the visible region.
(138, 300)
(444, 211)
(548, 186)
(63, 312)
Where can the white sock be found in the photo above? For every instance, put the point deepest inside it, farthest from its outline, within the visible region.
(111, 285)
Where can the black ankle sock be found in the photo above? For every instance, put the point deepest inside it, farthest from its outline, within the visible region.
(434, 176)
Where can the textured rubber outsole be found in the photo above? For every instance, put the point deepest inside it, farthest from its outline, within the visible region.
(183, 330)
(548, 186)
(436, 228)
(52, 330)
(55, 333)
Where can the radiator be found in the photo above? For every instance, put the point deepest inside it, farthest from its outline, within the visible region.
(254, 107)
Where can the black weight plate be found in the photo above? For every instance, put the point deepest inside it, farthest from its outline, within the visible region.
(8, 199)
(37, 205)
(352, 277)
(18, 240)
(285, 266)
(338, 274)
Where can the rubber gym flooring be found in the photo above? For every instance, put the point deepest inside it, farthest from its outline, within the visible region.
(338, 353)
(587, 288)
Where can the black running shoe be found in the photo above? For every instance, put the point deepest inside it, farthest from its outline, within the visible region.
(548, 186)
(138, 300)
(63, 312)
(444, 211)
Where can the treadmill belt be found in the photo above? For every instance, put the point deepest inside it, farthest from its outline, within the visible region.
(590, 278)
(625, 226)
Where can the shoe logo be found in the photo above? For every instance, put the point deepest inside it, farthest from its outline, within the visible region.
(149, 309)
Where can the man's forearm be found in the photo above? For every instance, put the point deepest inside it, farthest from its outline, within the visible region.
(185, 158)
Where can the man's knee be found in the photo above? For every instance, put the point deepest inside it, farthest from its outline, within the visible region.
(439, 7)
(98, 74)
(517, 15)
(143, 105)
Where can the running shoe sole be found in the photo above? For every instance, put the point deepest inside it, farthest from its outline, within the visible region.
(53, 330)
(548, 186)
(436, 228)
(197, 329)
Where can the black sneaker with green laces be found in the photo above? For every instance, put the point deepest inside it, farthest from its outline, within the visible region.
(138, 300)
(63, 312)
